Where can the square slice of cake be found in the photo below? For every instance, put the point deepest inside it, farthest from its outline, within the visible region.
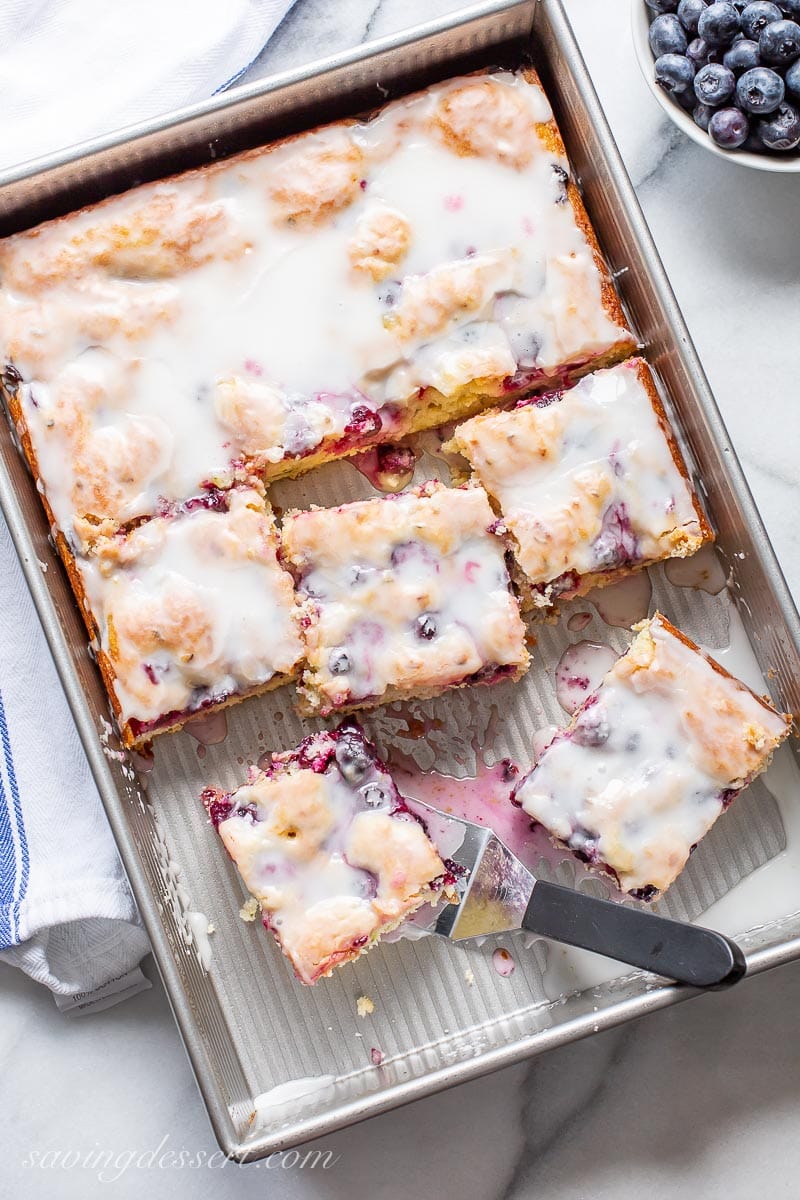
(590, 483)
(191, 612)
(302, 301)
(327, 847)
(403, 597)
(650, 760)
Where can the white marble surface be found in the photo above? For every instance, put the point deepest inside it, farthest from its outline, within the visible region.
(703, 1099)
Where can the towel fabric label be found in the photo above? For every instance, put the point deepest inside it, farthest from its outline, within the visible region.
(112, 992)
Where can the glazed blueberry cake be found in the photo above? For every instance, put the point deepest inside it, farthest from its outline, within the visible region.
(190, 611)
(650, 760)
(327, 847)
(589, 482)
(302, 301)
(403, 596)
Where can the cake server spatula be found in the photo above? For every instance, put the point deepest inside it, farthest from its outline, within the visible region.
(498, 894)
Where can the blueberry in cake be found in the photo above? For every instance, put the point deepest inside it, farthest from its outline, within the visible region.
(651, 760)
(402, 597)
(302, 301)
(191, 611)
(327, 847)
(589, 482)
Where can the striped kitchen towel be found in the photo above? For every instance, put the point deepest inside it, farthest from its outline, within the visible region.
(70, 70)
(67, 916)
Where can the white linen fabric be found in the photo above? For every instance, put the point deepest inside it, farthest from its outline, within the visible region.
(71, 70)
(74, 69)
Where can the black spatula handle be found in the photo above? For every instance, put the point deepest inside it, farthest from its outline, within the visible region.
(686, 953)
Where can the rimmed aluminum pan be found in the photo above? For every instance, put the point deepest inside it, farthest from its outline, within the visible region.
(248, 1028)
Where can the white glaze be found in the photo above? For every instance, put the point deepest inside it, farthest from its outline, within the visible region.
(289, 1098)
(587, 482)
(580, 670)
(201, 929)
(193, 607)
(640, 776)
(376, 573)
(235, 312)
(331, 855)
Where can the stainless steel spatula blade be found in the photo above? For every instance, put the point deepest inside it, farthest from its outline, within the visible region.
(498, 894)
(494, 889)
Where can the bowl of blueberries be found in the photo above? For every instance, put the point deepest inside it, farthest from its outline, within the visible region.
(728, 74)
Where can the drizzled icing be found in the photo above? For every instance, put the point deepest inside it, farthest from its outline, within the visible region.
(299, 297)
(405, 594)
(586, 480)
(325, 844)
(193, 608)
(651, 760)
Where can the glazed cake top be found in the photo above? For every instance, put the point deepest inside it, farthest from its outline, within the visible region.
(302, 292)
(408, 592)
(328, 848)
(652, 759)
(193, 607)
(587, 480)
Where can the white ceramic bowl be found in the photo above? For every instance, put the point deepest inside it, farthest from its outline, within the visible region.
(640, 25)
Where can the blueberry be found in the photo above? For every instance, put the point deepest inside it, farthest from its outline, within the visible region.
(757, 16)
(354, 765)
(779, 43)
(728, 128)
(562, 179)
(689, 13)
(426, 626)
(338, 662)
(760, 91)
(584, 845)
(753, 143)
(667, 35)
(591, 727)
(648, 892)
(616, 544)
(674, 73)
(793, 80)
(782, 130)
(702, 115)
(742, 56)
(686, 99)
(699, 52)
(791, 9)
(351, 759)
(719, 23)
(662, 6)
(374, 795)
(714, 84)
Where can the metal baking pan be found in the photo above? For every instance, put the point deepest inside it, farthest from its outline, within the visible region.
(257, 1040)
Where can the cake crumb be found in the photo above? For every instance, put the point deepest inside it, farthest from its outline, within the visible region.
(469, 975)
(211, 927)
(249, 909)
(364, 1006)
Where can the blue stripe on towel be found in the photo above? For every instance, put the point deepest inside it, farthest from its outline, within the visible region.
(14, 859)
